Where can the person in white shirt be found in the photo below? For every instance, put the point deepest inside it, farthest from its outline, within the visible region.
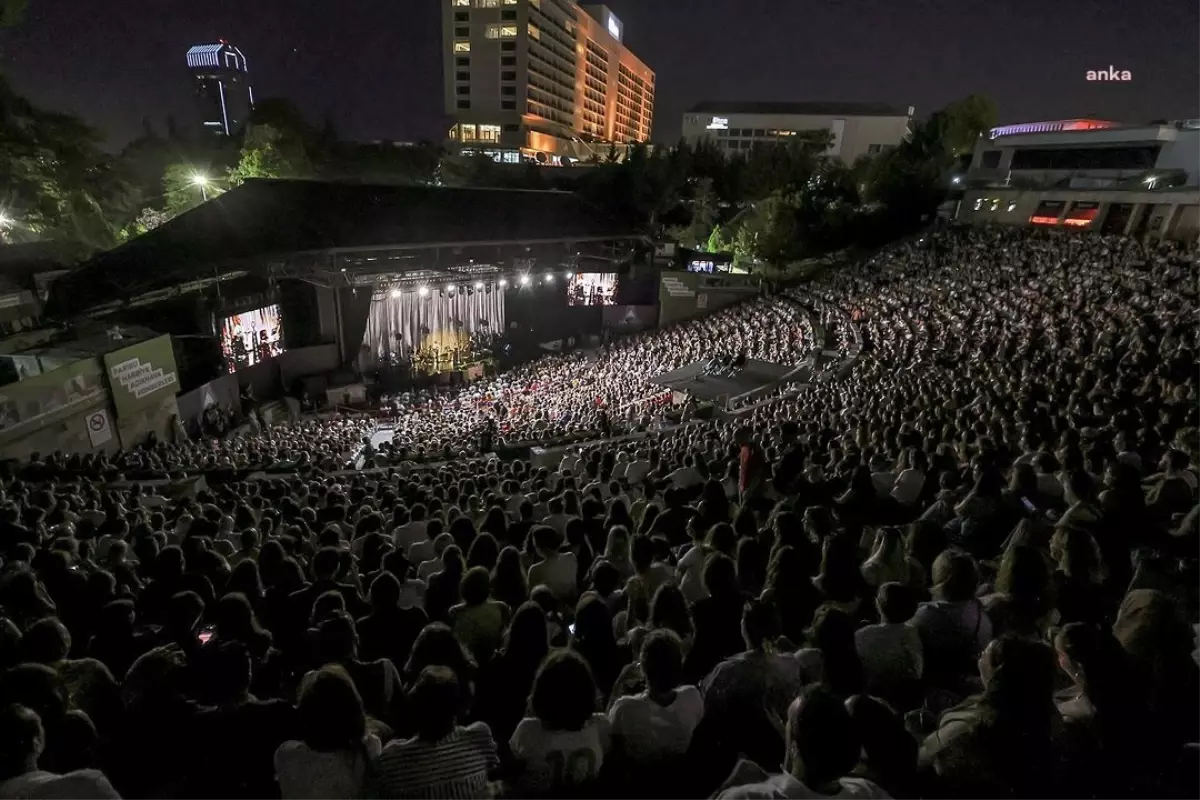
(557, 570)
(561, 747)
(911, 480)
(331, 760)
(822, 750)
(24, 740)
(409, 531)
(557, 518)
(686, 476)
(658, 723)
(891, 651)
(638, 469)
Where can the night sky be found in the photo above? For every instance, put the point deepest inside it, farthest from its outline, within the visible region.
(375, 65)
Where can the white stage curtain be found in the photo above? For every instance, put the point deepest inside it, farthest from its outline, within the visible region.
(398, 326)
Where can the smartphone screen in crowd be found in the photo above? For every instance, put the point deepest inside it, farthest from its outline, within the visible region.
(205, 635)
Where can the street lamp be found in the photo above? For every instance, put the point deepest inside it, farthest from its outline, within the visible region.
(202, 182)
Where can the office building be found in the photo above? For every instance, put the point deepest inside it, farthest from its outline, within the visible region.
(547, 81)
(221, 81)
(857, 129)
(1085, 173)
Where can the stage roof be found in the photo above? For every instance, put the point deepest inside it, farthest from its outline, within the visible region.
(261, 221)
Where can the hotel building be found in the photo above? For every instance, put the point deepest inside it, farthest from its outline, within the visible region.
(547, 81)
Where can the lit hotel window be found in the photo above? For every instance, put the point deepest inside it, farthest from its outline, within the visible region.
(508, 31)
(492, 32)
(511, 2)
(534, 32)
(467, 132)
(487, 3)
(462, 3)
(489, 133)
(462, 47)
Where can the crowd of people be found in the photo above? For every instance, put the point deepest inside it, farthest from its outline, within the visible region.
(557, 397)
(965, 567)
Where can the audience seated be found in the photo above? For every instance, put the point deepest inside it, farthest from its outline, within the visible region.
(963, 563)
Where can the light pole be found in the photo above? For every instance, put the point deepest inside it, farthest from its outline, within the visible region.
(202, 182)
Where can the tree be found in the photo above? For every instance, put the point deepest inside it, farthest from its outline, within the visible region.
(183, 189)
(56, 181)
(767, 232)
(267, 153)
(11, 12)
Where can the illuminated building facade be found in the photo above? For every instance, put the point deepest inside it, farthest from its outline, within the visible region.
(222, 87)
(1088, 174)
(856, 129)
(547, 81)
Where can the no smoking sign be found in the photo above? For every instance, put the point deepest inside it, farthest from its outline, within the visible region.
(99, 429)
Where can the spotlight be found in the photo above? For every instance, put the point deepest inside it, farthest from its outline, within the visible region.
(452, 287)
(548, 279)
(503, 283)
(524, 280)
(478, 284)
(568, 275)
(395, 292)
(423, 291)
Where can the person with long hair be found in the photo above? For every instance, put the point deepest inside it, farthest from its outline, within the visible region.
(1156, 635)
(618, 552)
(561, 745)
(831, 657)
(888, 562)
(1024, 593)
(1001, 742)
(507, 680)
(790, 589)
(508, 578)
(332, 757)
(718, 618)
(437, 646)
(1079, 575)
(594, 639)
(840, 580)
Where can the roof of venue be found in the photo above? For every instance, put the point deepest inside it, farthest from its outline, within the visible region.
(267, 219)
(810, 109)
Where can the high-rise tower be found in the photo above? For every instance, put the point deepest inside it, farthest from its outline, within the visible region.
(222, 87)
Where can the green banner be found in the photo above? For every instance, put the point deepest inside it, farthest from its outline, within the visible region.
(142, 374)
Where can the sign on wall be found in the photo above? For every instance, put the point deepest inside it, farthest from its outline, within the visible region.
(99, 428)
(141, 375)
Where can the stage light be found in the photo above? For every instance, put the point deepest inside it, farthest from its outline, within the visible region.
(423, 291)
(452, 287)
(478, 284)
(568, 275)
(395, 292)
(503, 283)
(524, 280)
(548, 279)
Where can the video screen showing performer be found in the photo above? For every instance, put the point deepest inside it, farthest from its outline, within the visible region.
(247, 339)
(592, 289)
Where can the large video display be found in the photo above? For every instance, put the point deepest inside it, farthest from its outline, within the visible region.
(592, 289)
(249, 338)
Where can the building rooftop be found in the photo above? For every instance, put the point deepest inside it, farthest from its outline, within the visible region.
(813, 109)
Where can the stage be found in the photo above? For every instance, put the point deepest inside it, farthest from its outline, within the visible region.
(719, 388)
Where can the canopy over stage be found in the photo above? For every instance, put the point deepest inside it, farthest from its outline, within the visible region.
(344, 235)
(730, 383)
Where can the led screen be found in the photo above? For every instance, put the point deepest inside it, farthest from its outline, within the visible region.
(592, 289)
(249, 338)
